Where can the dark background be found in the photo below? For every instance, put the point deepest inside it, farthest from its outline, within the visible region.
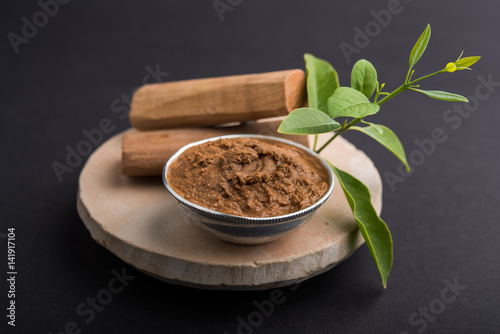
(443, 218)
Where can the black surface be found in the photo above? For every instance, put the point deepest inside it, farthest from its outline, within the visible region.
(443, 218)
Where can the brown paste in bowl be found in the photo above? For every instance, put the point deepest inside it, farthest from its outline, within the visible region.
(248, 177)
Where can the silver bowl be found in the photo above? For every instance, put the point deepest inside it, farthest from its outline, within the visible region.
(246, 230)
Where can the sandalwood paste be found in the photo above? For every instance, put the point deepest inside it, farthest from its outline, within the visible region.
(248, 177)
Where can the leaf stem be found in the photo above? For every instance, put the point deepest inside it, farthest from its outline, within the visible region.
(343, 129)
(426, 76)
(407, 85)
(408, 75)
(315, 142)
(397, 91)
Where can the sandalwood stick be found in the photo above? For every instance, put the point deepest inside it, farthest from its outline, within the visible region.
(145, 153)
(212, 101)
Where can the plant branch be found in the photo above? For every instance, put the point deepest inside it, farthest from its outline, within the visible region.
(343, 129)
(407, 85)
(397, 91)
(426, 76)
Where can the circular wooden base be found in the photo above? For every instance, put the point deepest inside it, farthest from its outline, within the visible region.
(138, 220)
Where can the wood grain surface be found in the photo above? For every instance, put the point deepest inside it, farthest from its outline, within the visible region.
(146, 152)
(212, 101)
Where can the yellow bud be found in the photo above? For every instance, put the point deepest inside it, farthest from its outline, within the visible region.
(450, 67)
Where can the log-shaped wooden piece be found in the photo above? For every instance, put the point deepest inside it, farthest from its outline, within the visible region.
(146, 152)
(212, 101)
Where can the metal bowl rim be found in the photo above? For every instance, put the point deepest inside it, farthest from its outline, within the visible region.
(249, 220)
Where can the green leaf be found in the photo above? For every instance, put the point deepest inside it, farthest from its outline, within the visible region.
(364, 77)
(377, 127)
(374, 230)
(348, 102)
(467, 61)
(387, 138)
(443, 96)
(322, 81)
(307, 121)
(419, 47)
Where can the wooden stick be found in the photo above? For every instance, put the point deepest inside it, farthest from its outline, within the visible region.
(213, 101)
(145, 153)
